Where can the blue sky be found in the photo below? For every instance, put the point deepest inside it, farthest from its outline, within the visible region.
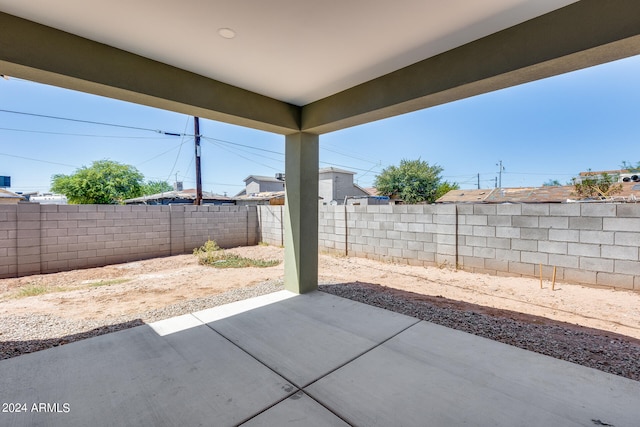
(549, 129)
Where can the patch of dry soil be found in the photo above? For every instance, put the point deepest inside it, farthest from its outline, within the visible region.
(135, 287)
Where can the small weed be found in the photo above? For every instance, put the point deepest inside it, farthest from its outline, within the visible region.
(208, 253)
(211, 254)
(443, 265)
(32, 290)
(263, 244)
(236, 261)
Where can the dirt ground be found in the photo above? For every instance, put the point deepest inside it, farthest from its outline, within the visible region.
(134, 287)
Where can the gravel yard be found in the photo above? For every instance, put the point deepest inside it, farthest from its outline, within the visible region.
(599, 328)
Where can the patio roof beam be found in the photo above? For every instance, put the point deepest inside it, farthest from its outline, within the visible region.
(43, 54)
(583, 34)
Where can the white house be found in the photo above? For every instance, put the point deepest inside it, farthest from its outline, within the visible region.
(256, 184)
(335, 185)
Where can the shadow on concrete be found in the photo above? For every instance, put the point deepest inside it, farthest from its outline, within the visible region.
(307, 360)
(607, 351)
(11, 349)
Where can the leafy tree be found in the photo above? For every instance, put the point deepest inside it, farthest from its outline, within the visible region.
(413, 181)
(630, 166)
(155, 187)
(551, 183)
(104, 182)
(597, 186)
(445, 187)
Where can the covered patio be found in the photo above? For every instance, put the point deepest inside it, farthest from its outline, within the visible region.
(302, 69)
(305, 360)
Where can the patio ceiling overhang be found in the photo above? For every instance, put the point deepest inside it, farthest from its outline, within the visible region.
(43, 54)
(581, 35)
(543, 41)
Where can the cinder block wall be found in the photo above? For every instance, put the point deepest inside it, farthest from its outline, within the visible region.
(271, 224)
(8, 241)
(418, 235)
(50, 238)
(229, 226)
(594, 244)
(588, 243)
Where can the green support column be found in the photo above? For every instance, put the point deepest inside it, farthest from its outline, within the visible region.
(301, 213)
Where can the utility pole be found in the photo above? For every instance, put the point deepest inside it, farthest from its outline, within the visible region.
(196, 130)
(500, 169)
(478, 181)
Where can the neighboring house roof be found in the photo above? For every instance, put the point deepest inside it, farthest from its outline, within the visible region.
(49, 199)
(372, 191)
(265, 195)
(464, 196)
(274, 179)
(364, 190)
(262, 178)
(6, 194)
(550, 194)
(189, 194)
(336, 170)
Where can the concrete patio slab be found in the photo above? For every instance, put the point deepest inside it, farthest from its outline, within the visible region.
(307, 336)
(136, 377)
(298, 410)
(432, 375)
(238, 307)
(359, 365)
(175, 324)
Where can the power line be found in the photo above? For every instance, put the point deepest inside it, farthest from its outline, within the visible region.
(472, 179)
(216, 141)
(184, 135)
(189, 166)
(246, 158)
(80, 134)
(463, 176)
(241, 145)
(37, 160)
(538, 174)
(348, 155)
(91, 122)
(179, 150)
(344, 166)
(222, 183)
(366, 173)
(218, 144)
(342, 151)
(161, 154)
